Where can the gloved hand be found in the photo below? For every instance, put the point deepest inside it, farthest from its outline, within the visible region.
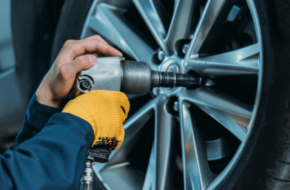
(106, 111)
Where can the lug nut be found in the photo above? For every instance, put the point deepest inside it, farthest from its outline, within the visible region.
(161, 55)
(155, 91)
(209, 82)
(175, 106)
(185, 48)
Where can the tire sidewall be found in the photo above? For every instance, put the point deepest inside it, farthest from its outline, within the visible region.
(70, 25)
(264, 144)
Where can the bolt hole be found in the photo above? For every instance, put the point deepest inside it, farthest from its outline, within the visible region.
(180, 47)
(173, 106)
(155, 59)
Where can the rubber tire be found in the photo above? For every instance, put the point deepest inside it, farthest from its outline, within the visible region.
(265, 163)
(73, 16)
(267, 154)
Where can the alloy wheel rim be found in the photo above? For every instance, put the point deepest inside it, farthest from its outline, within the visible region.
(235, 116)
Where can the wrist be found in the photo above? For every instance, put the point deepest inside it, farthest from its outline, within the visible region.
(48, 102)
(45, 98)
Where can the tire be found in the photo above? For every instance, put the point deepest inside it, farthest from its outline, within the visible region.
(70, 26)
(265, 162)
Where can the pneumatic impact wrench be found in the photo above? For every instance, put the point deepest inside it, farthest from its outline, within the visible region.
(130, 77)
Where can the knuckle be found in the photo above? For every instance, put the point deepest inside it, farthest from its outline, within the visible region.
(83, 60)
(106, 50)
(100, 38)
(63, 72)
(69, 42)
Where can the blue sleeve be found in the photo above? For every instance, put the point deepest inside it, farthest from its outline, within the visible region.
(53, 159)
(36, 116)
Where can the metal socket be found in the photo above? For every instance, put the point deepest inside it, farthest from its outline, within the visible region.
(136, 77)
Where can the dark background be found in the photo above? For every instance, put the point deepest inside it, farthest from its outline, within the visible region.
(12, 108)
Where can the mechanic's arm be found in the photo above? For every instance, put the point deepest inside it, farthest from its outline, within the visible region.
(52, 159)
(55, 157)
(36, 116)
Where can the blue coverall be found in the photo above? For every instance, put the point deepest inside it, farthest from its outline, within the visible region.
(49, 153)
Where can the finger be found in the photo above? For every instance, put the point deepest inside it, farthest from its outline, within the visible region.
(96, 54)
(123, 102)
(107, 50)
(96, 37)
(101, 55)
(70, 70)
(73, 49)
(123, 115)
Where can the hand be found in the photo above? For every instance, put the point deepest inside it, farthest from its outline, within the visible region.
(75, 56)
(106, 111)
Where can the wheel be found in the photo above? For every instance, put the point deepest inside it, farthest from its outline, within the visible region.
(231, 133)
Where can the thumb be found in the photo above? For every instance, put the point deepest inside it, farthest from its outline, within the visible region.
(80, 63)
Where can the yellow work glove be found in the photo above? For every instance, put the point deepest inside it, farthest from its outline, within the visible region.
(106, 111)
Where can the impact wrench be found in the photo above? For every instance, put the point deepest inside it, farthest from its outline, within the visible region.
(130, 77)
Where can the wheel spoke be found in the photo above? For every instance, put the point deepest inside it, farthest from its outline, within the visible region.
(155, 17)
(113, 26)
(165, 126)
(184, 20)
(210, 25)
(243, 61)
(150, 173)
(124, 175)
(132, 126)
(196, 172)
(229, 112)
